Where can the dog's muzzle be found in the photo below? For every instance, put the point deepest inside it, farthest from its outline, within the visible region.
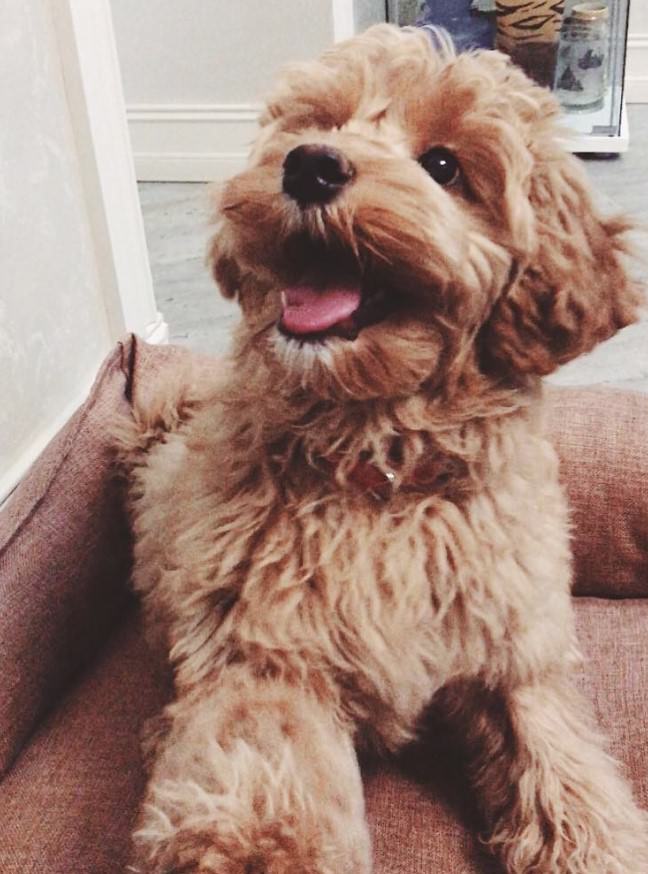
(315, 174)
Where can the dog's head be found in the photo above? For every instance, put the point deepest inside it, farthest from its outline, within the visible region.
(408, 215)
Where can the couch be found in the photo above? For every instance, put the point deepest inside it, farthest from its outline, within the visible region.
(77, 680)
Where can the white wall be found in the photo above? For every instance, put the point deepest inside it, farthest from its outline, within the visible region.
(195, 72)
(212, 51)
(637, 73)
(639, 16)
(70, 280)
(53, 326)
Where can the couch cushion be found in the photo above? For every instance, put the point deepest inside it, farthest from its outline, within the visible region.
(601, 435)
(69, 802)
(65, 546)
(419, 821)
(64, 555)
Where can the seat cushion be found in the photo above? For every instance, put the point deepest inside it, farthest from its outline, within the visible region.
(70, 801)
(421, 819)
(64, 557)
(65, 545)
(601, 436)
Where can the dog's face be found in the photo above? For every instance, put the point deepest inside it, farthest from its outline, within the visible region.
(407, 216)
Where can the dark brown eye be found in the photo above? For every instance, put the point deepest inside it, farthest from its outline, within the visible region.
(441, 164)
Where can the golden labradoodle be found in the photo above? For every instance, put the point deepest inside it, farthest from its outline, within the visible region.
(364, 514)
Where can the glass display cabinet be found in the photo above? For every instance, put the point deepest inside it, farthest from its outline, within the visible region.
(575, 47)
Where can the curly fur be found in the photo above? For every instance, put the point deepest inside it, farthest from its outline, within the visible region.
(304, 616)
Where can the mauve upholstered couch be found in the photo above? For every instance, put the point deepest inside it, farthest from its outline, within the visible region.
(77, 680)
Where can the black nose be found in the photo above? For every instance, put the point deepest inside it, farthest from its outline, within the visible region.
(315, 174)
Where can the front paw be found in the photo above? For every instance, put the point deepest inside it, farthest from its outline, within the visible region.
(286, 847)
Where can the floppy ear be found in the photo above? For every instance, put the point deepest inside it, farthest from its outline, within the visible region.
(225, 271)
(573, 291)
(223, 265)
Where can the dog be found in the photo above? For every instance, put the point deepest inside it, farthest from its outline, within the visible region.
(363, 515)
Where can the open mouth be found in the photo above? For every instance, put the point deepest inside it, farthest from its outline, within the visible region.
(318, 308)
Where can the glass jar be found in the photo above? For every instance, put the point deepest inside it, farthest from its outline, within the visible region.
(581, 71)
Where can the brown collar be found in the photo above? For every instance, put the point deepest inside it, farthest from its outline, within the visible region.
(437, 475)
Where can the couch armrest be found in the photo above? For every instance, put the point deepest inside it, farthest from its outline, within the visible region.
(64, 561)
(601, 435)
(65, 552)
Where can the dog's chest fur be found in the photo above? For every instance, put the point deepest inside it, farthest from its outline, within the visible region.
(330, 586)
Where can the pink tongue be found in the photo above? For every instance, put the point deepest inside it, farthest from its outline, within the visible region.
(307, 310)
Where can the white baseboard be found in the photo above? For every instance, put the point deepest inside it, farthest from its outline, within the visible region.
(637, 69)
(190, 143)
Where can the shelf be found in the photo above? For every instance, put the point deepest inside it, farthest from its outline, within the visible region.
(592, 131)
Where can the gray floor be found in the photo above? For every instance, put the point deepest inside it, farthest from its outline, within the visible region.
(176, 217)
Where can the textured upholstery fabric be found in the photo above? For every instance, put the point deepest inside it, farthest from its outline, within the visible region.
(64, 548)
(602, 439)
(64, 552)
(67, 805)
(420, 826)
(68, 802)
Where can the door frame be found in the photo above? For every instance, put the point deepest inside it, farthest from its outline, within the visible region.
(85, 35)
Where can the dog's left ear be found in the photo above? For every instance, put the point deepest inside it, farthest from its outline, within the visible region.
(224, 267)
(573, 291)
(226, 273)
